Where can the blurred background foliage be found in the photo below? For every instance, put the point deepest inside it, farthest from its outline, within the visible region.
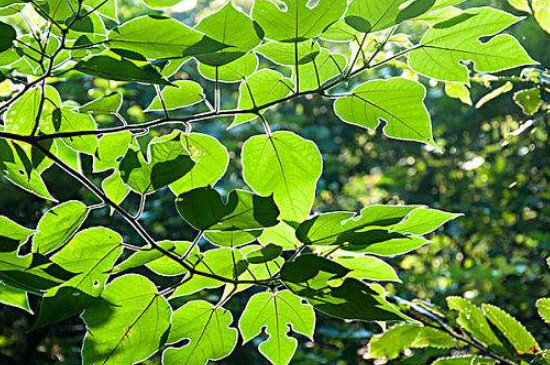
(493, 167)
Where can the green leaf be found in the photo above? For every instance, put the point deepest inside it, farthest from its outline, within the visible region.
(14, 297)
(471, 318)
(277, 313)
(264, 254)
(444, 47)
(90, 254)
(128, 326)
(285, 53)
(211, 160)
(167, 267)
(208, 331)
(465, 360)
(495, 93)
(7, 36)
(231, 238)
(300, 21)
(224, 262)
(111, 147)
(14, 168)
(392, 343)
(367, 267)
(340, 227)
(368, 16)
(115, 188)
(459, 91)
(258, 91)
(21, 116)
(398, 102)
(157, 262)
(168, 161)
(12, 234)
(57, 226)
(541, 10)
(31, 272)
(235, 71)
(423, 221)
(66, 120)
(282, 235)
(322, 283)
(159, 37)
(543, 306)
(529, 100)
(324, 67)
(233, 28)
(285, 165)
(159, 4)
(111, 68)
(108, 104)
(519, 337)
(182, 94)
(205, 210)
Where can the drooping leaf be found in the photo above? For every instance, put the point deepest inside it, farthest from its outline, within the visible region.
(232, 28)
(127, 327)
(285, 165)
(519, 337)
(182, 94)
(231, 238)
(120, 69)
(459, 91)
(300, 21)
(257, 91)
(57, 226)
(208, 331)
(397, 339)
(108, 104)
(12, 234)
(398, 102)
(277, 313)
(205, 210)
(321, 282)
(447, 44)
(211, 160)
(14, 297)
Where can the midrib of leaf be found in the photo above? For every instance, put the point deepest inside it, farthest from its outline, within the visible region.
(89, 272)
(279, 161)
(130, 328)
(356, 228)
(388, 112)
(198, 341)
